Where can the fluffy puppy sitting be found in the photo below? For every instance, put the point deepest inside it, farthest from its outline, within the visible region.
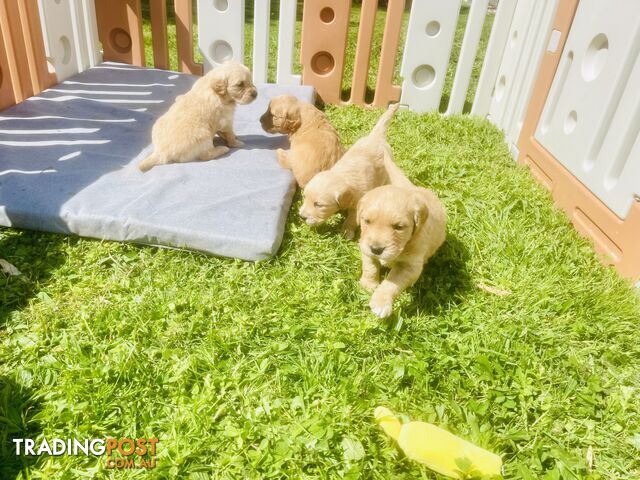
(401, 228)
(185, 133)
(366, 165)
(315, 145)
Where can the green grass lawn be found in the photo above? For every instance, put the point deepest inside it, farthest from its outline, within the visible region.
(273, 369)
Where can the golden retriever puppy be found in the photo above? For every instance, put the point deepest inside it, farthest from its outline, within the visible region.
(185, 133)
(366, 165)
(401, 228)
(314, 143)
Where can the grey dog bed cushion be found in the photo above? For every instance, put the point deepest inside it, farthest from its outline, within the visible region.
(68, 165)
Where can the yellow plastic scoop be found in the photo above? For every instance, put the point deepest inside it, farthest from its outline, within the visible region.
(438, 449)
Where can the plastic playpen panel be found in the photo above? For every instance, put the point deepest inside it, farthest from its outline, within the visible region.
(591, 119)
(286, 43)
(159, 36)
(220, 31)
(526, 40)
(71, 35)
(432, 26)
(493, 56)
(468, 52)
(120, 31)
(261, 24)
(323, 46)
(184, 38)
(616, 239)
(23, 67)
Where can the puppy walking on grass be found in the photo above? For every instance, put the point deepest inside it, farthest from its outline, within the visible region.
(366, 165)
(401, 228)
(185, 133)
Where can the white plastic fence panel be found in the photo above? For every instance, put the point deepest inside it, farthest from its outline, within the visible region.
(493, 56)
(87, 23)
(591, 120)
(538, 41)
(286, 39)
(468, 52)
(432, 26)
(220, 31)
(70, 35)
(261, 24)
(526, 41)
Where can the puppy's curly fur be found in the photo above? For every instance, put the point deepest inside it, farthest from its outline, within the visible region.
(401, 228)
(185, 133)
(366, 165)
(315, 144)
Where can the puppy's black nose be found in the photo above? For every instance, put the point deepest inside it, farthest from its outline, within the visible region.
(304, 217)
(254, 93)
(376, 250)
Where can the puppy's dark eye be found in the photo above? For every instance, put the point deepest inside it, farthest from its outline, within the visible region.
(317, 205)
(240, 84)
(398, 226)
(366, 221)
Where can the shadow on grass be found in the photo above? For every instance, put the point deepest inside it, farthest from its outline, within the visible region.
(444, 280)
(36, 255)
(444, 104)
(17, 409)
(369, 94)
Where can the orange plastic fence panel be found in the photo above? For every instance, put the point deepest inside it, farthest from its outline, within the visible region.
(184, 38)
(363, 51)
(41, 78)
(23, 66)
(120, 30)
(7, 95)
(386, 91)
(617, 241)
(12, 33)
(323, 46)
(158, 9)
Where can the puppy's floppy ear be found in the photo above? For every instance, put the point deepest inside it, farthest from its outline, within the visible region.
(420, 212)
(359, 209)
(219, 85)
(293, 119)
(218, 81)
(343, 196)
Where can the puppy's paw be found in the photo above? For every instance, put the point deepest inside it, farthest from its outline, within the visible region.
(381, 304)
(349, 233)
(236, 144)
(221, 150)
(369, 284)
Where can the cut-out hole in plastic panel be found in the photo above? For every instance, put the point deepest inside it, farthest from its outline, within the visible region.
(595, 57)
(322, 63)
(327, 15)
(424, 76)
(221, 5)
(433, 28)
(570, 122)
(120, 40)
(221, 51)
(66, 50)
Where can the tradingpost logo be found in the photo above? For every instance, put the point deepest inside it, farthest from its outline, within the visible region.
(121, 453)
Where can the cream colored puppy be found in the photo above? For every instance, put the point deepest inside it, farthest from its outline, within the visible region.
(401, 228)
(366, 165)
(314, 143)
(185, 133)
